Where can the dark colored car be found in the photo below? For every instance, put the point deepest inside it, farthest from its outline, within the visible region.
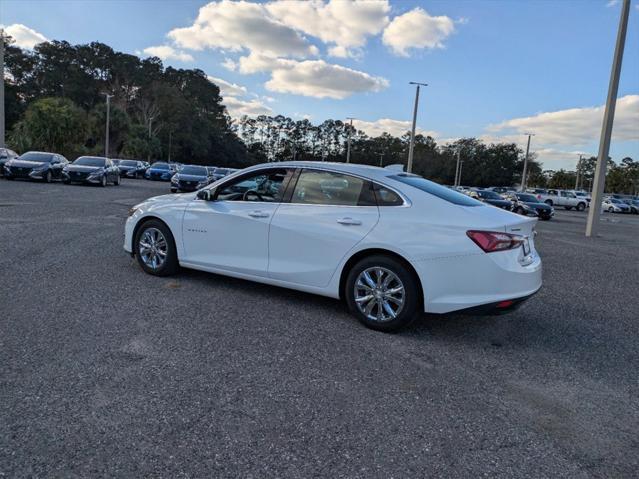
(221, 173)
(95, 170)
(492, 198)
(5, 155)
(36, 165)
(160, 171)
(131, 169)
(527, 204)
(190, 178)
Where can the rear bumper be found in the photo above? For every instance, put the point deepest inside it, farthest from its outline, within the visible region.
(498, 307)
(479, 280)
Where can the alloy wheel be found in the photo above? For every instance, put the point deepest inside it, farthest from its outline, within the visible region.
(379, 294)
(153, 248)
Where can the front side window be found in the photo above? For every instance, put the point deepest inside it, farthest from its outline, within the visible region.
(267, 186)
(316, 187)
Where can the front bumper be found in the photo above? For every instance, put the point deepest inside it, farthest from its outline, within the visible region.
(81, 178)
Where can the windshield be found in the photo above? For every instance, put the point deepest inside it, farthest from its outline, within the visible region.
(489, 195)
(37, 157)
(220, 171)
(528, 198)
(160, 166)
(89, 161)
(613, 200)
(128, 163)
(437, 190)
(193, 170)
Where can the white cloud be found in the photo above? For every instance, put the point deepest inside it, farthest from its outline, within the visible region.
(166, 52)
(387, 125)
(228, 88)
(417, 29)
(575, 126)
(344, 23)
(612, 3)
(238, 107)
(229, 64)
(24, 36)
(235, 26)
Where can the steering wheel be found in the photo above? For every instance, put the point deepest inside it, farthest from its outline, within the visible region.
(251, 192)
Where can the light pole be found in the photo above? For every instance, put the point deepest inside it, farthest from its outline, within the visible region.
(2, 145)
(108, 112)
(348, 147)
(523, 175)
(170, 134)
(577, 172)
(412, 131)
(457, 167)
(381, 159)
(606, 127)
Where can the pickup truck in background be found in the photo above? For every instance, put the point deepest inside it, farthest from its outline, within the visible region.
(564, 198)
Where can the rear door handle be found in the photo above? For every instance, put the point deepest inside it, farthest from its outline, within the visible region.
(349, 221)
(258, 214)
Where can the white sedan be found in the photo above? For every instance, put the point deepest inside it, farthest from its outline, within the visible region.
(390, 244)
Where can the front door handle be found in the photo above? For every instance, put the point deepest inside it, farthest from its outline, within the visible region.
(258, 214)
(349, 221)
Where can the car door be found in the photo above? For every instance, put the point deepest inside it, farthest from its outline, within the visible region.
(231, 232)
(327, 215)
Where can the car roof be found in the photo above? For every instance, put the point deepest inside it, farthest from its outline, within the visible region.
(369, 171)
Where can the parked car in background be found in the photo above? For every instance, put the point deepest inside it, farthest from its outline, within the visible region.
(582, 195)
(502, 189)
(492, 198)
(527, 204)
(222, 172)
(95, 170)
(36, 165)
(131, 168)
(634, 205)
(190, 178)
(5, 155)
(564, 198)
(159, 171)
(345, 231)
(613, 205)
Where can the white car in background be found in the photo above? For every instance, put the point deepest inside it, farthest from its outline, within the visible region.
(390, 244)
(564, 198)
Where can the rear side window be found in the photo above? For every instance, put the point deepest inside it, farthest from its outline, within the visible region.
(316, 187)
(386, 197)
(439, 191)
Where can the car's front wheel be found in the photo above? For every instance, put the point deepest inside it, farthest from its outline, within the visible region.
(47, 177)
(382, 293)
(581, 206)
(116, 182)
(154, 248)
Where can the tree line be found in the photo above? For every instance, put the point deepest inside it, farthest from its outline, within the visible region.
(55, 100)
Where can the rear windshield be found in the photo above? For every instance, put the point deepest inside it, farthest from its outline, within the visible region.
(437, 190)
(89, 161)
(38, 157)
(128, 162)
(193, 170)
(527, 198)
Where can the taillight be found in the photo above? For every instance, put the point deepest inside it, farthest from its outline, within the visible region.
(492, 241)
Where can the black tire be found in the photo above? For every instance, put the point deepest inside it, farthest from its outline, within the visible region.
(103, 181)
(545, 218)
(66, 182)
(116, 182)
(549, 202)
(10, 178)
(581, 206)
(171, 264)
(411, 299)
(47, 177)
(611, 210)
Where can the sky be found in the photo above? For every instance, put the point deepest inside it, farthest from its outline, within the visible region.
(496, 70)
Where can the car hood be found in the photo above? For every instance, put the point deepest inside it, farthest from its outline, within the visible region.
(500, 203)
(537, 206)
(182, 177)
(83, 168)
(27, 164)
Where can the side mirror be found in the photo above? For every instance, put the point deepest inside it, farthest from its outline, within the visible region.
(206, 195)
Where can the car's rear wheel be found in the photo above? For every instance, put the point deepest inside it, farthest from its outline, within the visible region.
(154, 248)
(581, 206)
(611, 210)
(548, 202)
(382, 293)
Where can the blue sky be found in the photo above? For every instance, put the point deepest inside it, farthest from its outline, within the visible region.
(495, 69)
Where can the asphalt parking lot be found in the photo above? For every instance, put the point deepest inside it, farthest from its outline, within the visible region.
(107, 371)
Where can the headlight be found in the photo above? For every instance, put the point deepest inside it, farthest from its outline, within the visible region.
(95, 173)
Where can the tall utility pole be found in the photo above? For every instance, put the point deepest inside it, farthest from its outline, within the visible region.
(108, 112)
(170, 134)
(461, 167)
(348, 142)
(457, 168)
(577, 172)
(2, 144)
(525, 172)
(606, 128)
(409, 168)
(381, 159)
